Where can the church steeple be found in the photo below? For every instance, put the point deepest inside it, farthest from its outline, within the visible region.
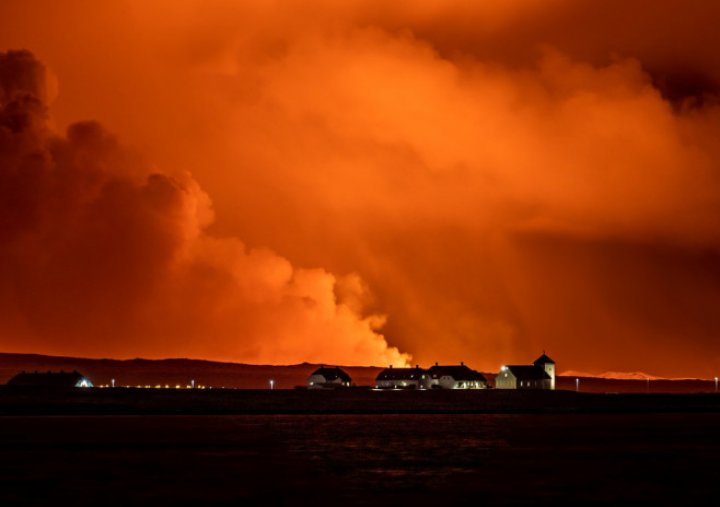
(548, 365)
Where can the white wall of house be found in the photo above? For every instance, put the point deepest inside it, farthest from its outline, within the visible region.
(505, 380)
(449, 382)
(316, 381)
(319, 381)
(400, 384)
(550, 370)
(534, 384)
(471, 384)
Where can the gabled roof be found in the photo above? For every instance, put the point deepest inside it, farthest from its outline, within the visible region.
(48, 379)
(401, 374)
(543, 360)
(332, 374)
(461, 372)
(525, 372)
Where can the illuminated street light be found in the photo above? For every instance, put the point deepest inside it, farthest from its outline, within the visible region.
(112, 381)
(272, 384)
(192, 384)
(577, 385)
(716, 384)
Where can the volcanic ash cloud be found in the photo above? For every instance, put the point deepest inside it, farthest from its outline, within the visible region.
(100, 254)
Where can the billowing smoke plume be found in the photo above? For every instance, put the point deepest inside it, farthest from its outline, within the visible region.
(505, 175)
(100, 254)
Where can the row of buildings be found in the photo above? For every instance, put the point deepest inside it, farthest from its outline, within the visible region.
(539, 375)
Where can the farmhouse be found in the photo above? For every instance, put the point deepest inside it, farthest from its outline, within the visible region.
(57, 380)
(539, 375)
(455, 377)
(402, 378)
(328, 378)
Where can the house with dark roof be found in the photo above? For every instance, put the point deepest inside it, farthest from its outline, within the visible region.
(329, 378)
(56, 380)
(402, 378)
(539, 375)
(455, 377)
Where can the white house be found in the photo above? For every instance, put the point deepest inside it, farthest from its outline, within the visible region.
(455, 377)
(539, 375)
(402, 378)
(328, 378)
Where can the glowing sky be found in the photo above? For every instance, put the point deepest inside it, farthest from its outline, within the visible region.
(363, 182)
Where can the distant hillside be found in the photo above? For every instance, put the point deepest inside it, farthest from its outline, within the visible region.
(134, 372)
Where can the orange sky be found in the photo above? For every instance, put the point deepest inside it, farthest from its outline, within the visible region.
(352, 182)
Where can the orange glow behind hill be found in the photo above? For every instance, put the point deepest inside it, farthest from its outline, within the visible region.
(363, 183)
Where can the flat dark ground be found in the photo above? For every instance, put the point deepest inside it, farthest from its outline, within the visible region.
(123, 401)
(373, 459)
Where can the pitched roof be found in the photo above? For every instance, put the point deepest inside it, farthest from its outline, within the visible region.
(401, 374)
(525, 372)
(332, 374)
(543, 360)
(60, 379)
(461, 372)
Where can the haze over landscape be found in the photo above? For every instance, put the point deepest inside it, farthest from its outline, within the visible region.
(362, 184)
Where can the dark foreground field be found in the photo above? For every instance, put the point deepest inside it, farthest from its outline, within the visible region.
(131, 401)
(410, 459)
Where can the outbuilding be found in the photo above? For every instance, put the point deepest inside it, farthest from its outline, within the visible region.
(58, 380)
(329, 378)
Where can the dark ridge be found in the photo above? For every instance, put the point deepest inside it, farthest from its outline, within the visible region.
(152, 372)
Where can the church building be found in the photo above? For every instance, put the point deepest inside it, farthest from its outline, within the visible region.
(539, 375)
